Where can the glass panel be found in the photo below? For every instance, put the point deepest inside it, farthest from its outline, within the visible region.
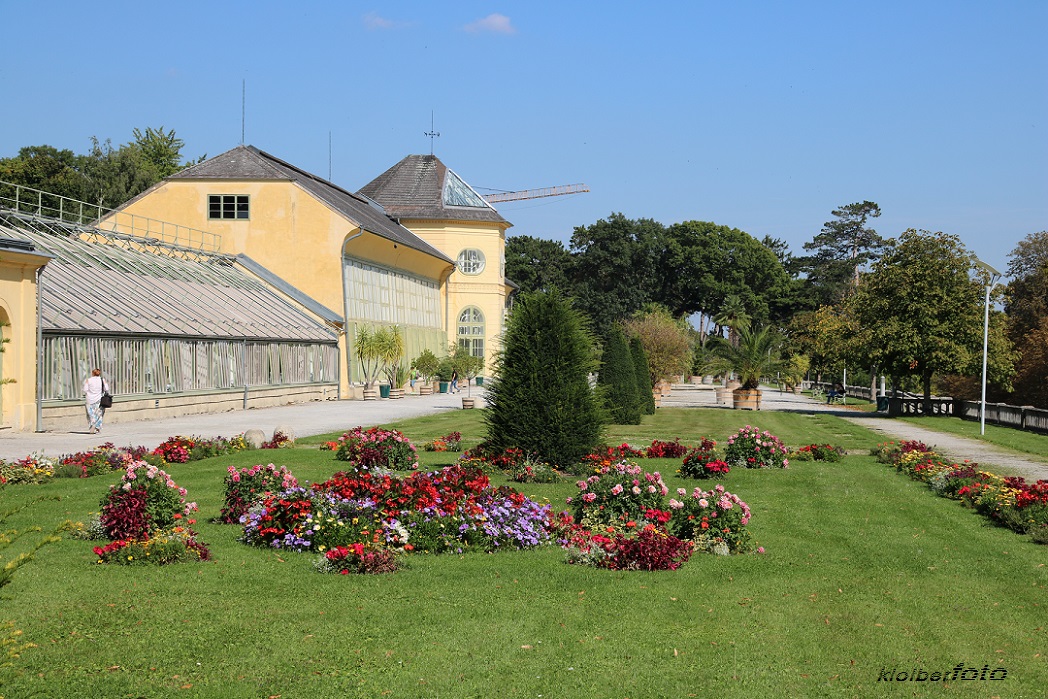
(458, 193)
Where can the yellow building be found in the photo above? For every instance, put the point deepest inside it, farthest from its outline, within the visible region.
(438, 206)
(19, 264)
(416, 247)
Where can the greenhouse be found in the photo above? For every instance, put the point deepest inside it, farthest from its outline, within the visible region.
(201, 330)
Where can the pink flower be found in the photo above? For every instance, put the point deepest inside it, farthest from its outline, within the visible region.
(635, 490)
(589, 497)
(617, 489)
(581, 485)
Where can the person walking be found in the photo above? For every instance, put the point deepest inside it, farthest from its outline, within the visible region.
(454, 381)
(94, 387)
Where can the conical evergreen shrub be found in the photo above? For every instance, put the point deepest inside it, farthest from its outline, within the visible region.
(542, 401)
(619, 378)
(645, 387)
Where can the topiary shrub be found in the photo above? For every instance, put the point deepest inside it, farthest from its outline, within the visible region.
(643, 371)
(618, 377)
(541, 401)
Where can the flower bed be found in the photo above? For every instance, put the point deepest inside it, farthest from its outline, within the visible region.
(449, 442)
(714, 521)
(147, 518)
(751, 448)
(180, 450)
(512, 462)
(666, 450)
(451, 510)
(620, 521)
(246, 485)
(1007, 500)
(818, 452)
(377, 448)
(702, 462)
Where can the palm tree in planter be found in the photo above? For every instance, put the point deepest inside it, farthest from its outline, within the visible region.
(369, 354)
(755, 355)
(391, 349)
(427, 364)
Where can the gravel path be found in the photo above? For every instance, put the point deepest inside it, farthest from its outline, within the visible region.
(989, 456)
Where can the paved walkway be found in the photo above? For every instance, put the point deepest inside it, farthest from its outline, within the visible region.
(335, 416)
(987, 455)
(305, 419)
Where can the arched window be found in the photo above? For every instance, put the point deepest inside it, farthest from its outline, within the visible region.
(471, 261)
(471, 331)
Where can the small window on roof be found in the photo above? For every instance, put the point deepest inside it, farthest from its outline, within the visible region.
(235, 206)
(471, 261)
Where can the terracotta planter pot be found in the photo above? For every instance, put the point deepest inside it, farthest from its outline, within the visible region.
(396, 393)
(696, 380)
(425, 390)
(469, 403)
(746, 399)
(371, 393)
(722, 394)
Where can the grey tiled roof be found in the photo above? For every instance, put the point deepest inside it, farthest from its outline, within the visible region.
(414, 188)
(250, 163)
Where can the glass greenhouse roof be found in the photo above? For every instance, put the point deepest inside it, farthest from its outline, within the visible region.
(103, 283)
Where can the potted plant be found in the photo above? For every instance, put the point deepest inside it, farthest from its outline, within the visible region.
(756, 354)
(468, 367)
(368, 352)
(426, 363)
(445, 368)
(391, 350)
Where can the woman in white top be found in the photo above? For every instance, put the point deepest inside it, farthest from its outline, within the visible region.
(94, 386)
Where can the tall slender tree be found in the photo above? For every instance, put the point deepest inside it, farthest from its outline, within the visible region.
(645, 388)
(618, 377)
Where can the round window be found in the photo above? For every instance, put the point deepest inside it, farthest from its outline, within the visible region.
(471, 261)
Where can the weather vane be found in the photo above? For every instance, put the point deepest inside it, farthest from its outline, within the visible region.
(432, 133)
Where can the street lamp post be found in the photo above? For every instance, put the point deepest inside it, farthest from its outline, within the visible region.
(995, 277)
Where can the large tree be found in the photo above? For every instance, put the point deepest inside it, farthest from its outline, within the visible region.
(1027, 308)
(840, 251)
(920, 311)
(617, 267)
(706, 263)
(535, 264)
(104, 176)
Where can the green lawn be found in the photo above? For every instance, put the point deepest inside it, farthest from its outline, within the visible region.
(865, 571)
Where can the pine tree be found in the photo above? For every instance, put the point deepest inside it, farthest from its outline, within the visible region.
(618, 376)
(542, 401)
(643, 371)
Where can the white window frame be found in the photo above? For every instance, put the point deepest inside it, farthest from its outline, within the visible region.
(471, 261)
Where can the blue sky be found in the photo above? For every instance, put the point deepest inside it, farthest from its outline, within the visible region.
(763, 116)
